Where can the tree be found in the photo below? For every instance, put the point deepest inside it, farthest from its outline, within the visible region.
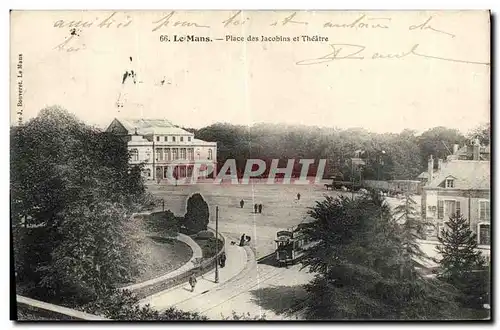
(72, 194)
(411, 229)
(462, 264)
(483, 133)
(358, 263)
(197, 214)
(438, 142)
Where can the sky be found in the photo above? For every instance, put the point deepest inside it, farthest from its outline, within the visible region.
(245, 82)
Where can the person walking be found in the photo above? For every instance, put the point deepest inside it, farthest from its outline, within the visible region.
(192, 282)
(255, 207)
(242, 203)
(260, 208)
(298, 196)
(222, 260)
(242, 240)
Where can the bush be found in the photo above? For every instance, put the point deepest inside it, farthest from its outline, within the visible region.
(163, 223)
(197, 214)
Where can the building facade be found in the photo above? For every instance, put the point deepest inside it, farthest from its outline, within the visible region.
(162, 147)
(463, 186)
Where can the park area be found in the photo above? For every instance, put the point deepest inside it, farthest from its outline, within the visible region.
(281, 209)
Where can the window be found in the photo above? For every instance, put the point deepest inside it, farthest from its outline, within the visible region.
(448, 208)
(440, 209)
(484, 234)
(157, 139)
(182, 139)
(449, 183)
(484, 210)
(159, 154)
(210, 154)
(167, 154)
(183, 153)
(175, 154)
(134, 154)
(189, 138)
(191, 154)
(166, 139)
(173, 138)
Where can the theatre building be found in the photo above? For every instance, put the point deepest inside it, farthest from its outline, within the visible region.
(158, 144)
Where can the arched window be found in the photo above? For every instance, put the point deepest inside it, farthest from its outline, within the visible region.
(210, 154)
(134, 154)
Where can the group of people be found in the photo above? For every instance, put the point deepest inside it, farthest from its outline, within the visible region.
(257, 207)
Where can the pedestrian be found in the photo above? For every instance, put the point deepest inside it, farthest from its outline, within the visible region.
(242, 240)
(192, 282)
(242, 203)
(222, 260)
(255, 207)
(298, 196)
(260, 208)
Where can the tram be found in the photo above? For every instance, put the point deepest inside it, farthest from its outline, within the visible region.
(291, 246)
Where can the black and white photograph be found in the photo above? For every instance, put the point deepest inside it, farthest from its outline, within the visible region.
(250, 165)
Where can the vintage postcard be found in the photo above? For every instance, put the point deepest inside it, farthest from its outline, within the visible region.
(250, 165)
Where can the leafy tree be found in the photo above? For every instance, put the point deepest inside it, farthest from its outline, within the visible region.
(483, 133)
(438, 142)
(72, 194)
(462, 264)
(359, 266)
(197, 214)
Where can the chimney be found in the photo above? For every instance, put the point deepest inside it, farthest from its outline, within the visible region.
(475, 150)
(430, 167)
(455, 148)
(440, 164)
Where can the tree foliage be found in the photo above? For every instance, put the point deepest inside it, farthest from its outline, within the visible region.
(462, 264)
(197, 214)
(361, 273)
(387, 156)
(72, 194)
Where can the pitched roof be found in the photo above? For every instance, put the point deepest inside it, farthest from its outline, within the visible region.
(469, 174)
(151, 126)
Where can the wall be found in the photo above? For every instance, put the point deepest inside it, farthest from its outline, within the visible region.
(30, 310)
(206, 266)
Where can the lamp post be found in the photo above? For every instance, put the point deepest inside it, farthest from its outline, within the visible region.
(216, 244)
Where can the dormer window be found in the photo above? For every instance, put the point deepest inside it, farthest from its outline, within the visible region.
(173, 138)
(182, 139)
(450, 183)
(189, 138)
(157, 139)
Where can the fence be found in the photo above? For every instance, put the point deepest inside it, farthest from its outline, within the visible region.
(204, 267)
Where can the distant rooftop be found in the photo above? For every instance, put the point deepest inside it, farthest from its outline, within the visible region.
(467, 174)
(150, 126)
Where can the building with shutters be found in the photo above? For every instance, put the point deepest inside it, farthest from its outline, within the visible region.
(158, 144)
(459, 185)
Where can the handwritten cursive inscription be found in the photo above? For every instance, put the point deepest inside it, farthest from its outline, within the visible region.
(362, 22)
(357, 52)
(166, 21)
(427, 26)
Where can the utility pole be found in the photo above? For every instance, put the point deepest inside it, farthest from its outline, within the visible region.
(216, 244)
(163, 204)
